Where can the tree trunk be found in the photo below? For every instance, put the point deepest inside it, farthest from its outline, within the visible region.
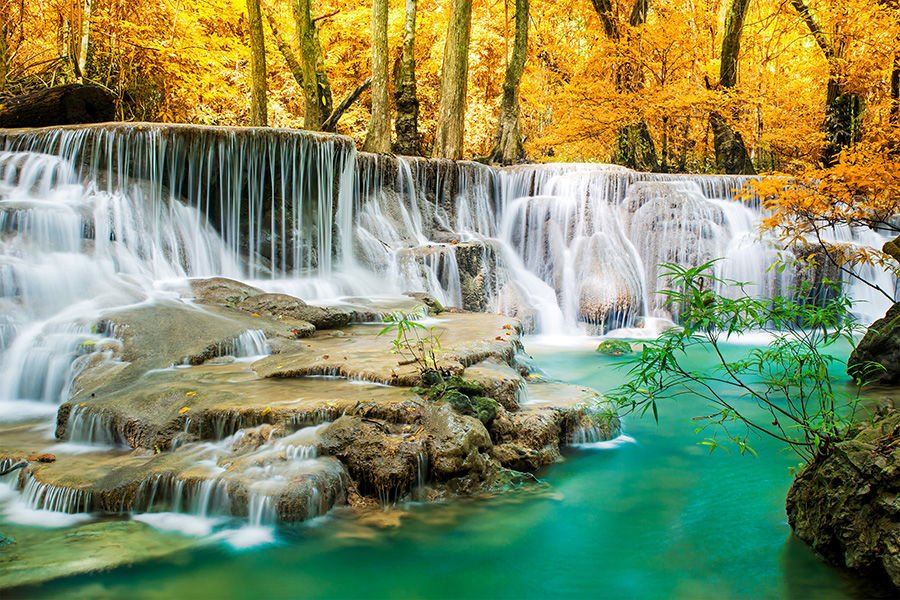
(895, 91)
(731, 152)
(4, 53)
(634, 145)
(81, 63)
(316, 88)
(405, 97)
(843, 111)
(508, 147)
(449, 137)
(64, 105)
(843, 120)
(284, 47)
(258, 116)
(378, 137)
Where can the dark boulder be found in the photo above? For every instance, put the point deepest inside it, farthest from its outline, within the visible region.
(846, 504)
(880, 345)
(62, 105)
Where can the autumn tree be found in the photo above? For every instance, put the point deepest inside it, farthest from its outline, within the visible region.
(731, 152)
(378, 137)
(448, 139)
(508, 147)
(843, 112)
(406, 99)
(258, 117)
(862, 189)
(634, 145)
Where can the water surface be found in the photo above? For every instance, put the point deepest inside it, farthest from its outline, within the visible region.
(656, 518)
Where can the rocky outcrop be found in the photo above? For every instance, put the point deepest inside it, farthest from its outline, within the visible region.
(288, 308)
(881, 346)
(846, 504)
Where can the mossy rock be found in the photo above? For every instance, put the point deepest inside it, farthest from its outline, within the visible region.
(467, 387)
(480, 407)
(614, 347)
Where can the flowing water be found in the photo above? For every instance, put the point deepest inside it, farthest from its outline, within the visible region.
(107, 217)
(651, 515)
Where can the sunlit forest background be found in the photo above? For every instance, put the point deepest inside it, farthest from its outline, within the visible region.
(187, 61)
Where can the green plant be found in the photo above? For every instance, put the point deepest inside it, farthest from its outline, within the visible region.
(413, 341)
(439, 384)
(803, 404)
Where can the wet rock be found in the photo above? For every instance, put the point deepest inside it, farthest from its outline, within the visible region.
(282, 306)
(481, 407)
(42, 458)
(477, 262)
(381, 461)
(455, 443)
(252, 438)
(499, 381)
(433, 304)
(880, 345)
(614, 347)
(221, 291)
(519, 458)
(845, 504)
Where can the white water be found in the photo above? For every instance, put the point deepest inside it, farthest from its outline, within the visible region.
(104, 217)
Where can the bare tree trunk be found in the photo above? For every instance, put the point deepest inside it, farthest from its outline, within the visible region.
(258, 116)
(508, 146)
(405, 97)
(634, 145)
(449, 137)
(316, 88)
(284, 47)
(81, 63)
(731, 152)
(378, 136)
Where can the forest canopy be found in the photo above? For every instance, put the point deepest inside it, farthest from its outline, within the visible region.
(808, 76)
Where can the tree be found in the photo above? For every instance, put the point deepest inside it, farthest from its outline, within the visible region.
(508, 147)
(731, 152)
(408, 142)
(84, 41)
(449, 137)
(306, 64)
(803, 405)
(634, 147)
(378, 137)
(843, 112)
(258, 116)
(862, 189)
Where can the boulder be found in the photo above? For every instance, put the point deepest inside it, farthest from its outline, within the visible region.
(378, 460)
(220, 291)
(846, 503)
(455, 443)
(282, 306)
(614, 347)
(881, 345)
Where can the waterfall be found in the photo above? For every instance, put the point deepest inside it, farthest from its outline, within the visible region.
(100, 216)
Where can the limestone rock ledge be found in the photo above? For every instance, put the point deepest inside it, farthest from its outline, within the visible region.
(332, 416)
(846, 505)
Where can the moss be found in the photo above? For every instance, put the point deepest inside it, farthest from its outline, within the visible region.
(467, 387)
(481, 407)
(614, 347)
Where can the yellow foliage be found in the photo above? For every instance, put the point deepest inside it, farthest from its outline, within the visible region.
(188, 61)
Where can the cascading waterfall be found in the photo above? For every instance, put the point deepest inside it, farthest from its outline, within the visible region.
(103, 216)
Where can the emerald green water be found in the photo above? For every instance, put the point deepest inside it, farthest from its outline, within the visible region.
(658, 518)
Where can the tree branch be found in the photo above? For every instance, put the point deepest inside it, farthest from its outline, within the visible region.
(331, 122)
